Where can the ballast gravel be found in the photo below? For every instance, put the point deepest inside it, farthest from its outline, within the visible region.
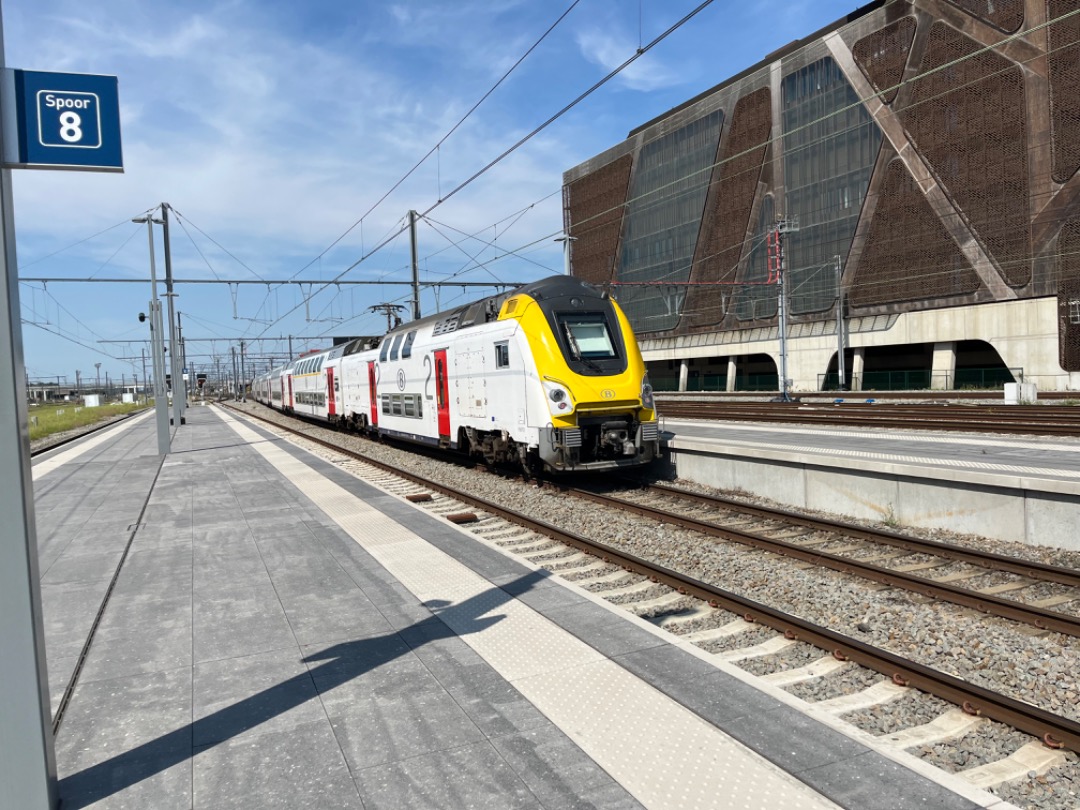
(907, 711)
(1035, 667)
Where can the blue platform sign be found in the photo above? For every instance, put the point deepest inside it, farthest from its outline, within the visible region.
(61, 121)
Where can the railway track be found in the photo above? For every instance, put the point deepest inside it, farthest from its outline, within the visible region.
(1055, 731)
(1038, 420)
(812, 546)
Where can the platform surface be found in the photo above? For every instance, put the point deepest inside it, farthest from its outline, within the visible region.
(282, 634)
(1046, 464)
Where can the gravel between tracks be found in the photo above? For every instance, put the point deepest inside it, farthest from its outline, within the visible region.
(1037, 668)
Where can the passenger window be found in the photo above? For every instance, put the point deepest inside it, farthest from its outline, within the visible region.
(406, 350)
(395, 347)
(385, 348)
(502, 355)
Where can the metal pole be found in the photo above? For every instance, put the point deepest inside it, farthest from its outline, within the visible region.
(566, 239)
(235, 392)
(27, 751)
(184, 371)
(157, 348)
(243, 376)
(415, 267)
(841, 372)
(144, 380)
(174, 343)
(783, 334)
(783, 226)
(290, 348)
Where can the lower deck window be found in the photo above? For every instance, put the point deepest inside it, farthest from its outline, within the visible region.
(410, 405)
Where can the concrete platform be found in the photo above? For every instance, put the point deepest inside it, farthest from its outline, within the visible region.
(282, 634)
(1021, 489)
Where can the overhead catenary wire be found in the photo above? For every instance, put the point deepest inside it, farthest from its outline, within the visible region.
(435, 149)
(641, 51)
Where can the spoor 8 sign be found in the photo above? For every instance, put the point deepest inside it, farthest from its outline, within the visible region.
(69, 118)
(61, 121)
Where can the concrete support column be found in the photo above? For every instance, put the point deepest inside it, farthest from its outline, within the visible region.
(943, 371)
(684, 373)
(858, 359)
(732, 370)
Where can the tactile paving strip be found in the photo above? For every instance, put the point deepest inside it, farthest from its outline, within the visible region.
(660, 752)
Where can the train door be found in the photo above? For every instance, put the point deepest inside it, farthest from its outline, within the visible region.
(290, 393)
(442, 394)
(373, 397)
(331, 400)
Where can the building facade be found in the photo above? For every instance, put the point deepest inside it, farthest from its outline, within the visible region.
(919, 158)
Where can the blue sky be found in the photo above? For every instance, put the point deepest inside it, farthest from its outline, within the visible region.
(272, 127)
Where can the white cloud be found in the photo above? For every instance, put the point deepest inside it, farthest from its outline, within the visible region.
(609, 50)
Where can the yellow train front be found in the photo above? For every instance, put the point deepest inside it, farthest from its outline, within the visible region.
(589, 401)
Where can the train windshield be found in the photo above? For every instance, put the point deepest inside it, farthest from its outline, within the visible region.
(588, 336)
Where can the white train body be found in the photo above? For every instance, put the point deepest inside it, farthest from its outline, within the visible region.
(548, 375)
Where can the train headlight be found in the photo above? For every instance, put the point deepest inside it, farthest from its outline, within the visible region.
(559, 402)
(647, 393)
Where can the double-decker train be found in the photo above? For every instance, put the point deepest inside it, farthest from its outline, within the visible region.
(548, 376)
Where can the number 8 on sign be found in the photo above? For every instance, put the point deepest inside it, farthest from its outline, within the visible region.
(71, 127)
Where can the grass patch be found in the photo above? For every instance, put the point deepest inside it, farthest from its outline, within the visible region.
(46, 420)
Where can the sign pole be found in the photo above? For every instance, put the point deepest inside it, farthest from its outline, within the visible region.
(157, 349)
(27, 752)
(179, 387)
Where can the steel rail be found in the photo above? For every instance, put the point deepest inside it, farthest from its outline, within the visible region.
(1054, 730)
(1041, 618)
(986, 559)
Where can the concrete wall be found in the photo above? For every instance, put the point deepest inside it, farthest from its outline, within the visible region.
(1023, 332)
(1013, 508)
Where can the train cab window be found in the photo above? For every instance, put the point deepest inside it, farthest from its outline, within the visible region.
(396, 346)
(406, 350)
(502, 355)
(385, 349)
(587, 336)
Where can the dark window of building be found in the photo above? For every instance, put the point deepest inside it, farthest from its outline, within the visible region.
(667, 198)
(830, 146)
